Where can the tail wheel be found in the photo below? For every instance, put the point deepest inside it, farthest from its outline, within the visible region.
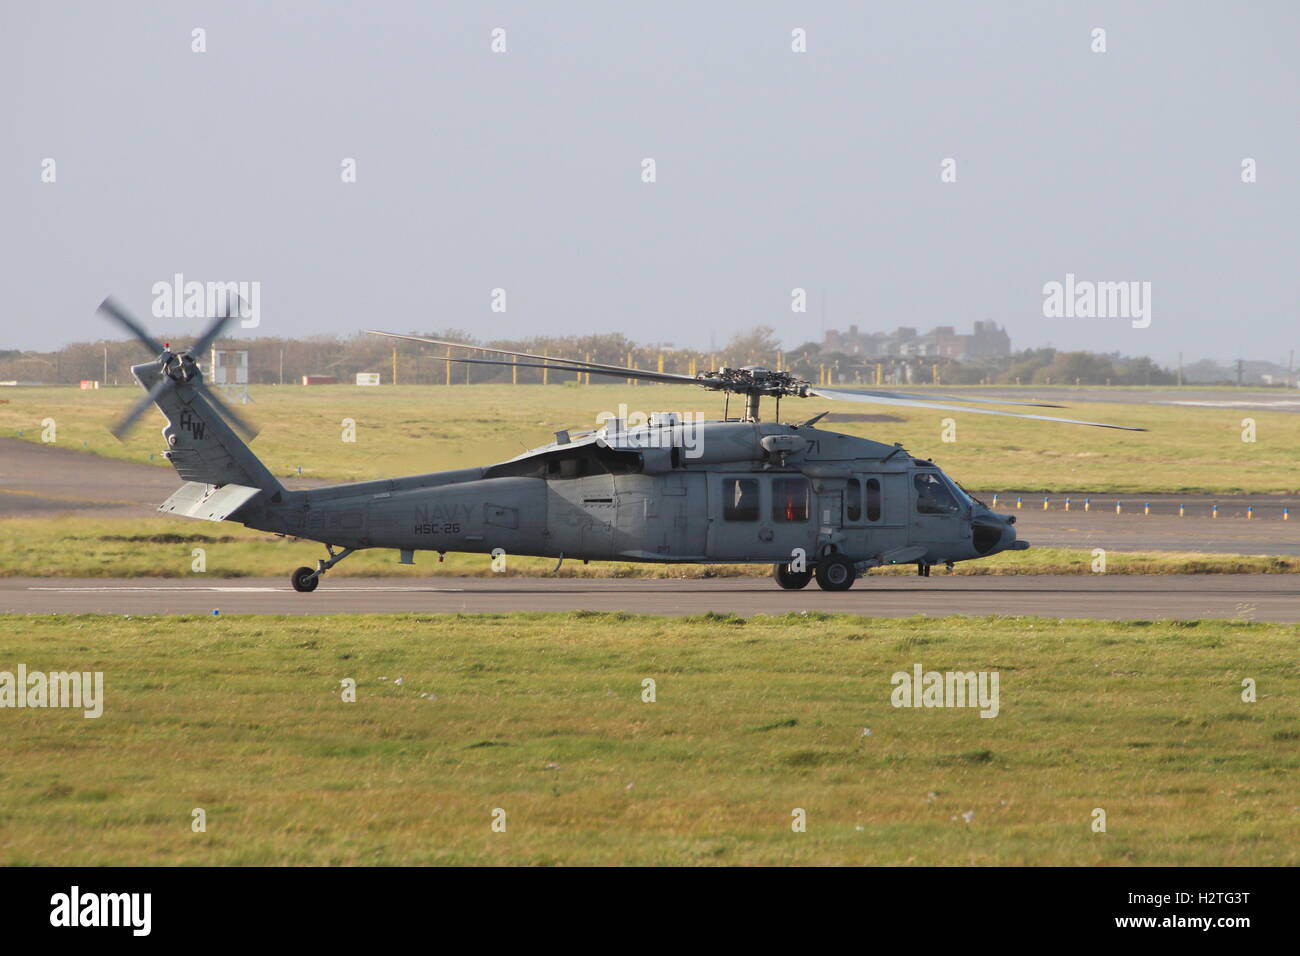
(790, 580)
(836, 573)
(304, 579)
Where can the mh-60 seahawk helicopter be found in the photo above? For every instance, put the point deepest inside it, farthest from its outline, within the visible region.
(810, 502)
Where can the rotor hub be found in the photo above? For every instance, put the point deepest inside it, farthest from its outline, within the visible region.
(180, 367)
(753, 380)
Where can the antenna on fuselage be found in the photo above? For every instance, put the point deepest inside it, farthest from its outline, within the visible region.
(814, 420)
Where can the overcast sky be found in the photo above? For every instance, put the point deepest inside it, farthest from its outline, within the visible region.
(775, 170)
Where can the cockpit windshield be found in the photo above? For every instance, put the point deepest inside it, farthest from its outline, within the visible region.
(962, 494)
(934, 496)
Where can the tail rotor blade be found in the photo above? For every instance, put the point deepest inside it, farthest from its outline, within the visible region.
(124, 426)
(211, 333)
(240, 425)
(118, 314)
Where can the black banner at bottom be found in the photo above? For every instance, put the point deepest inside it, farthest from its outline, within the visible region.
(301, 904)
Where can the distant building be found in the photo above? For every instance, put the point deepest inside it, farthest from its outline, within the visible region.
(988, 340)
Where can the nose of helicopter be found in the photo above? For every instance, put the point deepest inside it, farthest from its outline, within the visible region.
(992, 532)
(1010, 542)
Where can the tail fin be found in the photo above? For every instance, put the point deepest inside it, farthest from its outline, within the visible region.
(200, 445)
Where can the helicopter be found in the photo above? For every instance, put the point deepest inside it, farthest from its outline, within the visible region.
(813, 503)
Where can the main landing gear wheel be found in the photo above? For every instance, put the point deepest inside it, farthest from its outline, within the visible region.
(790, 580)
(305, 579)
(836, 573)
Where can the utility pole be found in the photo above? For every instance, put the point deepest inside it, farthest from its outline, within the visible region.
(394, 364)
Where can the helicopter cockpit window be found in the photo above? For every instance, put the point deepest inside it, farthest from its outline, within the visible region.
(790, 499)
(933, 497)
(740, 499)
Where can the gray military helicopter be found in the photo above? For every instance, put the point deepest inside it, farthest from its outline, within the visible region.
(810, 502)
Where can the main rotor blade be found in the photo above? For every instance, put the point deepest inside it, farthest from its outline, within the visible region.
(885, 393)
(114, 311)
(127, 422)
(878, 399)
(627, 371)
(240, 425)
(211, 333)
(620, 373)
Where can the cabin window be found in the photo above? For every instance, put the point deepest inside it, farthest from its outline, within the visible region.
(740, 499)
(873, 499)
(790, 499)
(932, 496)
(853, 500)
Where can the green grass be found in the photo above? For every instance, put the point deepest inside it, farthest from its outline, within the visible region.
(75, 547)
(541, 715)
(411, 429)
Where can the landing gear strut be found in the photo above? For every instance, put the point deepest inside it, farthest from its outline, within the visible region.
(305, 579)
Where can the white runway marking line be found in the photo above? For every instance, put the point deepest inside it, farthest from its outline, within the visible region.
(1233, 404)
(85, 590)
(227, 590)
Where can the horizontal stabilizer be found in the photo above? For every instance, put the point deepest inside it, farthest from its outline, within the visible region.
(208, 502)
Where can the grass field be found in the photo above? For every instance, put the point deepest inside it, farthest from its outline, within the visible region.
(78, 547)
(411, 429)
(542, 716)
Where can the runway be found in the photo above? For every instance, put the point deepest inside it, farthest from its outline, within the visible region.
(1264, 597)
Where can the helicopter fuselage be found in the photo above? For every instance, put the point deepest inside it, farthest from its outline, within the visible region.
(736, 492)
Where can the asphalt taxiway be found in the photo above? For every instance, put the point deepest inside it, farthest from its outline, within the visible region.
(1264, 597)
